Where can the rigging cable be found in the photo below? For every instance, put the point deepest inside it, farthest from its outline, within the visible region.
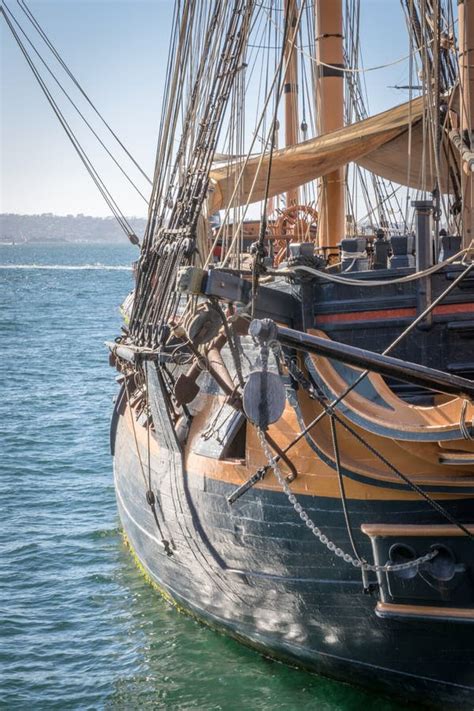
(387, 350)
(119, 216)
(67, 95)
(259, 247)
(149, 494)
(348, 70)
(317, 532)
(29, 14)
(342, 488)
(413, 485)
(218, 61)
(375, 282)
(243, 165)
(328, 410)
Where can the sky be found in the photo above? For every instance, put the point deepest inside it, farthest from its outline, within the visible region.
(117, 49)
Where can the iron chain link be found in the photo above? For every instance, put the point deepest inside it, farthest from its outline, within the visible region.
(332, 547)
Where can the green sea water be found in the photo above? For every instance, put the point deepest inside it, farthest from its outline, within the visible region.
(80, 627)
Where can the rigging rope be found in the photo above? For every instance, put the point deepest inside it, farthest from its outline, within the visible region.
(259, 247)
(387, 350)
(347, 70)
(247, 158)
(378, 282)
(168, 247)
(29, 14)
(119, 216)
(322, 538)
(149, 494)
(328, 409)
(68, 96)
(342, 489)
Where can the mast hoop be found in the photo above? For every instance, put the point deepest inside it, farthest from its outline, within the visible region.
(350, 70)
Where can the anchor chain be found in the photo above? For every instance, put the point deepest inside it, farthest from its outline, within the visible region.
(330, 545)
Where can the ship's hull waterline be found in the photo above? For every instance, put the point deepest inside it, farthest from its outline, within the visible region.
(254, 571)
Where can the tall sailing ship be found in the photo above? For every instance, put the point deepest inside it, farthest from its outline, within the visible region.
(293, 439)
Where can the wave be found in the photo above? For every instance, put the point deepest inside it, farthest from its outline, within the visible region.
(70, 267)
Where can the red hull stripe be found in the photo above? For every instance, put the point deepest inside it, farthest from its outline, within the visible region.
(392, 313)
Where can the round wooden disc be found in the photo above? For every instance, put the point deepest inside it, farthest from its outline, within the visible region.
(264, 398)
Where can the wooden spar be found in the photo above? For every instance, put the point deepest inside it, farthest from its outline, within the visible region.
(330, 112)
(291, 89)
(466, 77)
(377, 362)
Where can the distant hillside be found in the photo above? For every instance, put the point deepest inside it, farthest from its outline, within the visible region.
(69, 228)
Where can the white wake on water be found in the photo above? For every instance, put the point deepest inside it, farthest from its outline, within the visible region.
(69, 267)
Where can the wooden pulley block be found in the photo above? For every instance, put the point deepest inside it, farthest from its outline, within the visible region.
(264, 398)
(204, 326)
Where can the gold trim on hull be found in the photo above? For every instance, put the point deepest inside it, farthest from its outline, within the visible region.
(412, 531)
(315, 476)
(390, 609)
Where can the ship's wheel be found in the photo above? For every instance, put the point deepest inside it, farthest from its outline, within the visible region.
(298, 223)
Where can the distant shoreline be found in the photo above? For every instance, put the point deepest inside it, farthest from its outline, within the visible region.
(18, 229)
(52, 242)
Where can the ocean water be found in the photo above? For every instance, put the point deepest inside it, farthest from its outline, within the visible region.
(80, 628)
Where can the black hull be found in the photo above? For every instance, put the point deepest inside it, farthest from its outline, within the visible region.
(255, 572)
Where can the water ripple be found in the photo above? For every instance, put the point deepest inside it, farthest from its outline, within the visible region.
(80, 628)
(69, 267)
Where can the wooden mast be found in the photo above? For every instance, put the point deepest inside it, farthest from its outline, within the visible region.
(466, 77)
(291, 89)
(330, 112)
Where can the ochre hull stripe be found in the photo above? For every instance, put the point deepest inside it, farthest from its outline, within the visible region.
(233, 474)
(385, 314)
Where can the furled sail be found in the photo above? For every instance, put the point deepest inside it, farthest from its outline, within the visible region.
(380, 143)
(392, 162)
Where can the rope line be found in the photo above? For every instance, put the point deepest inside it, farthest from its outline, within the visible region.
(346, 70)
(119, 216)
(375, 282)
(322, 538)
(71, 101)
(29, 14)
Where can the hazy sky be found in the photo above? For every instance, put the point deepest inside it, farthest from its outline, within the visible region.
(117, 49)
